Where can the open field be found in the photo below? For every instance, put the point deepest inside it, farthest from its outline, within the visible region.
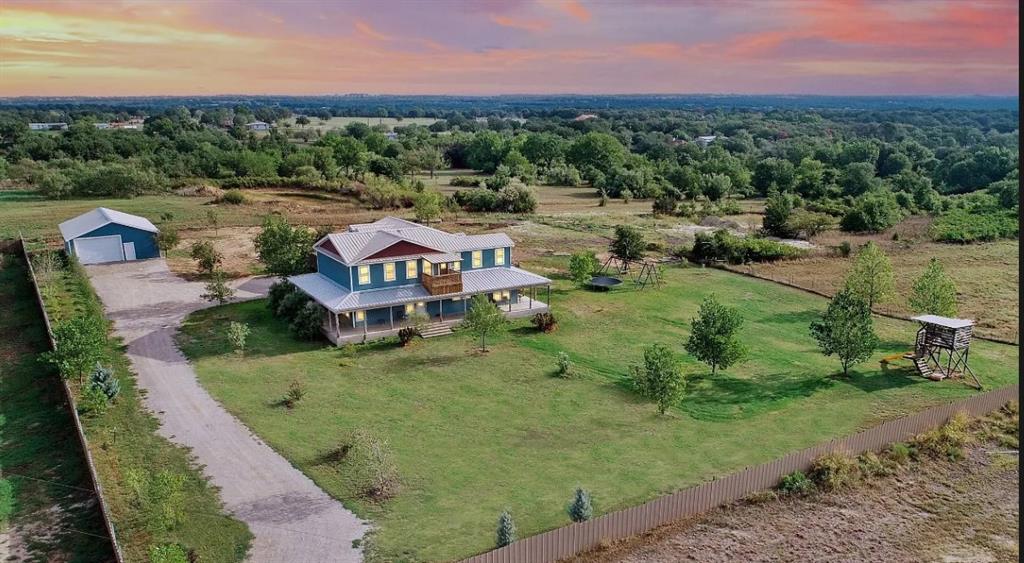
(125, 439)
(986, 274)
(56, 516)
(932, 510)
(474, 433)
(340, 122)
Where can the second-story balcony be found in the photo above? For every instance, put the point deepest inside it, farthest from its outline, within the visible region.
(443, 283)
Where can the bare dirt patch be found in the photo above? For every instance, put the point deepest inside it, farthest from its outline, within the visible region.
(933, 511)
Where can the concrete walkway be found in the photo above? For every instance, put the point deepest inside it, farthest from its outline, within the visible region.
(290, 517)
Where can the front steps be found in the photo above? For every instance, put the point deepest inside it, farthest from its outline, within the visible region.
(432, 330)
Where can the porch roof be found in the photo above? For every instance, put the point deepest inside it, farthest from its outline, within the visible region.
(337, 299)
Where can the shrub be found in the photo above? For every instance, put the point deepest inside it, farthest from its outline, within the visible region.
(545, 322)
(658, 377)
(233, 197)
(103, 379)
(406, 334)
(834, 471)
(205, 255)
(506, 533)
(291, 304)
(582, 266)
(761, 497)
(167, 239)
(899, 453)
(308, 321)
(947, 441)
(80, 341)
(565, 367)
(92, 401)
(844, 249)
(796, 483)
(723, 245)
(516, 198)
(561, 174)
(238, 333)
(6, 502)
(168, 553)
(964, 226)
(871, 465)
(371, 464)
(296, 391)
(465, 181)
(277, 292)
(872, 212)
(217, 289)
(580, 509)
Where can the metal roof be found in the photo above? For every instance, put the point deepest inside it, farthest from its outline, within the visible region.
(366, 239)
(338, 299)
(943, 321)
(92, 220)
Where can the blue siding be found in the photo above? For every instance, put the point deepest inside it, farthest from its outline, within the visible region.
(377, 276)
(333, 269)
(145, 241)
(488, 258)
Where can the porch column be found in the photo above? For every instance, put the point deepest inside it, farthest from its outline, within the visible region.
(440, 309)
(533, 291)
(465, 308)
(391, 316)
(337, 325)
(510, 300)
(549, 297)
(366, 323)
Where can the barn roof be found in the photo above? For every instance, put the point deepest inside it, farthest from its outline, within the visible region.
(92, 220)
(946, 322)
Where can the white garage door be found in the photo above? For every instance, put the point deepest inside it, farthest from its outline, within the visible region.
(97, 250)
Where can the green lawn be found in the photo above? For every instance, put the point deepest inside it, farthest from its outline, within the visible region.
(475, 434)
(55, 511)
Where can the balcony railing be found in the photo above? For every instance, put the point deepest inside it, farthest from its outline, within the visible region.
(443, 283)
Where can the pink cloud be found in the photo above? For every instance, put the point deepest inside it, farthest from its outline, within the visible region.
(533, 25)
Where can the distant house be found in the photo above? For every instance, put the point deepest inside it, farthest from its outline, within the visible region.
(585, 116)
(373, 277)
(102, 125)
(56, 126)
(391, 136)
(705, 140)
(258, 126)
(105, 235)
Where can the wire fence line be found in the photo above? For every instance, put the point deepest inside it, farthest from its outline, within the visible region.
(79, 429)
(584, 536)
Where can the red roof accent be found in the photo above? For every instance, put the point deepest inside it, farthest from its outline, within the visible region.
(402, 248)
(328, 245)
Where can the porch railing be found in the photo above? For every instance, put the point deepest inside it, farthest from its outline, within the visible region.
(443, 283)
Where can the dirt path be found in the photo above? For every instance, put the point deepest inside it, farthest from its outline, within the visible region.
(932, 511)
(290, 517)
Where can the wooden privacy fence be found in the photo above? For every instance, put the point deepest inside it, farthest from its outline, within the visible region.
(93, 477)
(578, 538)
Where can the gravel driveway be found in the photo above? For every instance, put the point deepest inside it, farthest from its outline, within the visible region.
(290, 517)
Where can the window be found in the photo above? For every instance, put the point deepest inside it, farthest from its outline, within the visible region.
(506, 295)
(456, 266)
(410, 308)
(478, 258)
(411, 269)
(364, 275)
(360, 316)
(389, 271)
(499, 256)
(496, 295)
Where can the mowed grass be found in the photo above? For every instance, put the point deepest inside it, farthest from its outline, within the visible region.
(56, 516)
(475, 434)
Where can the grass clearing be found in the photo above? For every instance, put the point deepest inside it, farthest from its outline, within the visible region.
(474, 434)
(56, 516)
(126, 438)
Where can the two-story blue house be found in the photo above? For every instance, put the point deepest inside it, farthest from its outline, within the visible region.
(372, 277)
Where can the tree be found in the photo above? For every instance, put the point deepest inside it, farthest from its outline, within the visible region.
(716, 186)
(213, 218)
(79, 344)
(217, 289)
(934, 292)
(238, 333)
(506, 533)
(428, 206)
(871, 277)
(543, 149)
(580, 509)
(809, 223)
(599, 151)
(858, 178)
(628, 243)
(483, 318)
(846, 329)
(658, 377)
(777, 212)
(773, 174)
(582, 266)
(283, 249)
(302, 121)
(167, 239)
(308, 321)
(206, 256)
(714, 335)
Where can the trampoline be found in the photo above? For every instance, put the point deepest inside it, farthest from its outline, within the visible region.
(604, 283)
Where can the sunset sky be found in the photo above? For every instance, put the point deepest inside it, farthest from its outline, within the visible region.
(138, 47)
